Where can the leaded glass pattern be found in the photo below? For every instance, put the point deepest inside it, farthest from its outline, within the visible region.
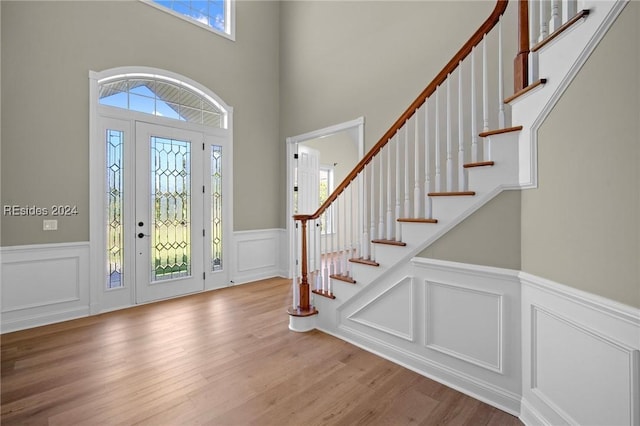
(162, 98)
(171, 208)
(115, 229)
(216, 208)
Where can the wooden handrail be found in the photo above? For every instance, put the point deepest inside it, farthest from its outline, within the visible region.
(476, 38)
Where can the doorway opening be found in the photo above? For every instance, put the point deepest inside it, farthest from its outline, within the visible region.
(316, 163)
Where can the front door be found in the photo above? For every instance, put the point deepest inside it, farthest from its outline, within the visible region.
(169, 212)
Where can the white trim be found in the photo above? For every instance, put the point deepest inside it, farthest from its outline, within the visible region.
(230, 19)
(409, 336)
(96, 178)
(257, 255)
(60, 269)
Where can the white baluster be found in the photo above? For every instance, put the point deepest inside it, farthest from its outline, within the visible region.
(398, 189)
(485, 86)
(569, 9)
(533, 38)
(407, 196)
(372, 233)
(449, 141)
(485, 96)
(543, 21)
(364, 244)
(390, 227)
(462, 181)
(437, 142)
(352, 225)
(318, 237)
(416, 167)
(337, 255)
(381, 211)
(501, 114)
(332, 269)
(427, 162)
(325, 263)
(474, 110)
(555, 21)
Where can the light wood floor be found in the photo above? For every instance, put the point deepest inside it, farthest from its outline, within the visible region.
(221, 358)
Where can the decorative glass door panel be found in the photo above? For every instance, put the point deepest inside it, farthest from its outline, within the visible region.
(171, 203)
(169, 220)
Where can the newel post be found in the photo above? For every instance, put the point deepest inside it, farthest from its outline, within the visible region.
(521, 62)
(304, 282)
(299, 315)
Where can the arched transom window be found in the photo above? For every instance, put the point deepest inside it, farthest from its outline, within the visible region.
(162, 96)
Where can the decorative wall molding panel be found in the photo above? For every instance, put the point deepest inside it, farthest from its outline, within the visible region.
(42, 284)
(459, 324)
(581, 357)
(258, 255)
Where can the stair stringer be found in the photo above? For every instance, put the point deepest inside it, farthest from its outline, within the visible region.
(558, 62)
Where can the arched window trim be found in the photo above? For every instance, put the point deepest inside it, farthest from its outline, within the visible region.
(123, 73)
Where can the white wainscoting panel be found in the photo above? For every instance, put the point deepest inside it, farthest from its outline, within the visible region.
(464, 323)
(456, 323)
(258, 255)
(390, 312)
(580, 357)
(44, 283)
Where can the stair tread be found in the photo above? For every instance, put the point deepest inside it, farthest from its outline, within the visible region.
(479, 164)
(345, 278)
(417, 220)
(323, 293)
(500, 131)
(527, 89)
(389, 242)
(297, 312)
(364, 261)
(452, 194)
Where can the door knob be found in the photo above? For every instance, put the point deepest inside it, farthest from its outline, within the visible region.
(141, 235)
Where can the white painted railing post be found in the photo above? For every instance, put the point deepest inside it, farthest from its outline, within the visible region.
(474, 110)
(448, 120)
(569, 9)
(337, 255)
(390, 227)
(381, 209)
(372, 232)
(543, 21)
(416, 167)
(325, 257)
(398, 189)
(501, 114)
(427, 163)
(556, 20)
(533, 56)
(364, 242)
(407, 196)
(485, 97)
(437, 142)
(462, 181)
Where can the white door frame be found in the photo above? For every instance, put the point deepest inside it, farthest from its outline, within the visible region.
(357, 125)
(97, 179)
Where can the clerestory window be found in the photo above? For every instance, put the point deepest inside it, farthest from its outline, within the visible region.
(215, 15)
(162, 97)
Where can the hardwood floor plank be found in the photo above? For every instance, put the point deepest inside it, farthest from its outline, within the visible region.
(221, 358)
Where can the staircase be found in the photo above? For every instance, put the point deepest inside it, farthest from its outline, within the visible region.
(457, 146)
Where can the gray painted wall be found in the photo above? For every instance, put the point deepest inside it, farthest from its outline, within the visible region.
(490, 236)
(48, 49)
(581, 227)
